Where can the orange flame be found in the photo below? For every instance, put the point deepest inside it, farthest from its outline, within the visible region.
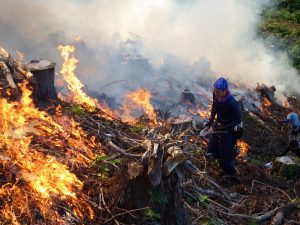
(205, 113)
(46, 177)
(74, 84)
(244, 148)
(141, 98)
(266, 102)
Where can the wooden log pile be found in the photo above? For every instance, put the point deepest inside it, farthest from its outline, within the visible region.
(39, 73)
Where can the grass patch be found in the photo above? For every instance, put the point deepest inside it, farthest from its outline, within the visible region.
(281, 24)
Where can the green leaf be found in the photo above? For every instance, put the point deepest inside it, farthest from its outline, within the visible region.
(152, 214)
(78, 110)
(115, 161)
(203, 198)
(101, 157)
(297, 201)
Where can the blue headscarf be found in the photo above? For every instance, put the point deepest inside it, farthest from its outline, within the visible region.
(221, 84)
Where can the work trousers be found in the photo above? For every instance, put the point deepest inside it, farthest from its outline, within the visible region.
(223, 147)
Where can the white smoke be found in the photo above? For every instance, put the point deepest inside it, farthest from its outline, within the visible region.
(190, 40)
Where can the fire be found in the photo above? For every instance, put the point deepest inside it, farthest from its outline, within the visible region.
(74, 84)
(53, 178)
(244, 149)
(45, 177)
(205, 113)
(266, 102)
(140, 98)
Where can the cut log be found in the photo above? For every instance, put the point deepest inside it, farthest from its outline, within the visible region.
(176, 157)
(8, 75)
(19, 67)
(5, 56)
(44, 93)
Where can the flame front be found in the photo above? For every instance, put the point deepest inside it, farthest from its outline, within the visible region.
(46, 177)
(266, 102)
(74, 84)
(140, 98)
(244, 149)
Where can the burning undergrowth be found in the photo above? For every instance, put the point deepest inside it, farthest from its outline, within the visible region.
(87, 163)
(39, 156)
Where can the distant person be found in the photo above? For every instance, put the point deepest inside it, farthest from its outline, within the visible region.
(293, 120)
(222, 144)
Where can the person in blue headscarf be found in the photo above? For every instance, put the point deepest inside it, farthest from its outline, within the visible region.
(222, 144)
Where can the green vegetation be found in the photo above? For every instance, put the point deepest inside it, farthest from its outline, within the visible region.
(256, 160)
(105, 165)
(290, 172)
(203, 199)
(137, 128)
(158, 197)
(150, 213)
(78, 110)
(281, 27)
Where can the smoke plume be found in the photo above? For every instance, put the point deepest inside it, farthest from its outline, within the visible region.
(160, 44)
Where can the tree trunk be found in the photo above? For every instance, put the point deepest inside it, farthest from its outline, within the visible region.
(174, 212)
(44, 92)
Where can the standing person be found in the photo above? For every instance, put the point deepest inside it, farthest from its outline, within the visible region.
(222, 144)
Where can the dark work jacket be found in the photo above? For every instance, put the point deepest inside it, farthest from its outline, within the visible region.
(228, 113)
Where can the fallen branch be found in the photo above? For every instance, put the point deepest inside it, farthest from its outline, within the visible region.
(8, 75)
(197, 172)
(262, 217)
(122, 151)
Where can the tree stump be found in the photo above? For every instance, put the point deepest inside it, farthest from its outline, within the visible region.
(164, 195)
(44, 92)
(173, 212)
(187, 97)
(181, 123)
